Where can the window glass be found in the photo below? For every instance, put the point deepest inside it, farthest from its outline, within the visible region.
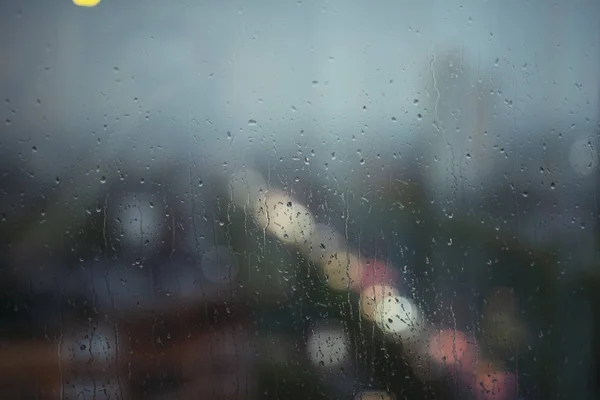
(299, 199)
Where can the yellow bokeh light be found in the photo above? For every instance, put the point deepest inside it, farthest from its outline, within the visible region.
(86, 3)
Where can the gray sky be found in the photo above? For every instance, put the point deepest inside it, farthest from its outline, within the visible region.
(200, 69)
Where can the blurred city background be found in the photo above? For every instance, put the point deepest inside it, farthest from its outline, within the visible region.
(300, 200)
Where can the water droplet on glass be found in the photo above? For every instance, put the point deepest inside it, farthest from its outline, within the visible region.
(34, 149)
(251, 122)
(103, 179)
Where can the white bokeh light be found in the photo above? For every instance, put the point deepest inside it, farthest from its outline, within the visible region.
(285, 218)
(372, 296)
(138, 221)
(324, 243)
(397, 315)
(342, 270)
(328, 345)
(374, 395)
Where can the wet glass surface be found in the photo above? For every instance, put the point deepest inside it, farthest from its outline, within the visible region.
(293, 199)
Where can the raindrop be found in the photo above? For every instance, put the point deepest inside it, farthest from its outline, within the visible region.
(34, 149)
(251, 122)
(103, 179)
